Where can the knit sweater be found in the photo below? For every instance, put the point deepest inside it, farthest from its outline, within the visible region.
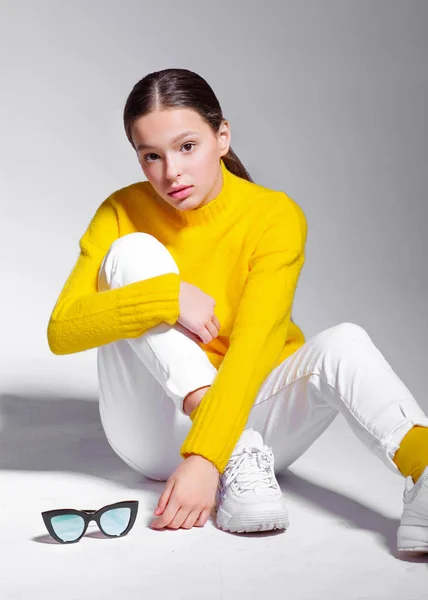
(245, 248)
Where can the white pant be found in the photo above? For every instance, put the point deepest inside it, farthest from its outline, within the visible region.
(144, 380)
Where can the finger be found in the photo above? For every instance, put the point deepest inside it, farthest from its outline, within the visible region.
(203, 518)
(164, 498)
(216, 322)
(179, 518)
(205, 336)
(190, 521)
(212, 329)
(168, 515)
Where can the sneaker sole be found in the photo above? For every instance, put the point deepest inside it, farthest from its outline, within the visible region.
(252, 522)
(412, 538)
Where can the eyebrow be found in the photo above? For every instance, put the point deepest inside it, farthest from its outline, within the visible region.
(174, 140)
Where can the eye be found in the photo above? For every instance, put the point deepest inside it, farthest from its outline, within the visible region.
(153, 154)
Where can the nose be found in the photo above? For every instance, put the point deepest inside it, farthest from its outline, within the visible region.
(172, 169)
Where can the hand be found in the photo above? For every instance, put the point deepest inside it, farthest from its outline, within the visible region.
(187, 332)
(197, 312)
(189, 495)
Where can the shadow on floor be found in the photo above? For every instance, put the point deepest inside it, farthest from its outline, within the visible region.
(58, 433)
(351, 513)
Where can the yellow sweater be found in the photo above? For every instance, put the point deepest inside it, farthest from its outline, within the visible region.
(245, 248)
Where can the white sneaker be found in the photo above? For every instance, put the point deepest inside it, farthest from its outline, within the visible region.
(249, 497)
(413, 530)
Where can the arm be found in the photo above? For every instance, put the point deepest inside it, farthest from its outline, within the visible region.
(85, 318)
(258, 337)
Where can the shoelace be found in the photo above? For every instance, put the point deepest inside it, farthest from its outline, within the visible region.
(250, 475)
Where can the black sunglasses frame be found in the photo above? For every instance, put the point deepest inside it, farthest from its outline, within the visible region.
(88, 516)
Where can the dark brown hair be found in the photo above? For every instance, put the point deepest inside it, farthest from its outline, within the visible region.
(179, 88)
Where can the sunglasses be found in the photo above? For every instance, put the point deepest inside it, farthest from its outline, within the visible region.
(68, 525)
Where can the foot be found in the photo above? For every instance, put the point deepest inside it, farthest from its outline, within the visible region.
(249, 497)
(413, 530)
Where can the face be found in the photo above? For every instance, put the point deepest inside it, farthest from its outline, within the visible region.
(193, 160)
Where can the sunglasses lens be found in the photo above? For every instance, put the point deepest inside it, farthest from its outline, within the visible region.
(115, 520)
(68, 527)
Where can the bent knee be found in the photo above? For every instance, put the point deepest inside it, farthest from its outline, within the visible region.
(135, 257)
(343, 336)
(347, 329)
(138, 241)
(135, 237)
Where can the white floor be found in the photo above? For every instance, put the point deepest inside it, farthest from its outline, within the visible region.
(344, 509)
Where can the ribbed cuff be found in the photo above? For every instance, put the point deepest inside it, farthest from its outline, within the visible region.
(137, 306)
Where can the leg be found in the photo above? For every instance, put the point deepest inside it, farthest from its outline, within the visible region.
(338, 370)
(143, 381)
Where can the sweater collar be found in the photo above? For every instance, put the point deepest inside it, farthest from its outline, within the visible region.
(208, 213)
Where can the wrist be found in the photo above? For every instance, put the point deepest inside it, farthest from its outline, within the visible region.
(200, 458)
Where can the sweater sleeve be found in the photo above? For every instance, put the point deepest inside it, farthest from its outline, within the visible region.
(84, 318)
(259, 335)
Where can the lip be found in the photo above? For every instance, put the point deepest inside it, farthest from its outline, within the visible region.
(178, 189)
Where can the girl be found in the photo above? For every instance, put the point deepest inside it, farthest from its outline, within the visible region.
(185, 284)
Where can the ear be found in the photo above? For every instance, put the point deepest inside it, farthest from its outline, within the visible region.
(224, 137)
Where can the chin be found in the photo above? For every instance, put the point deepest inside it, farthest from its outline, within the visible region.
(187, 208)
(185, 205)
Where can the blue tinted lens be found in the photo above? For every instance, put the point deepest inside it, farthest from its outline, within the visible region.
(115, 520)
(68, 527)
